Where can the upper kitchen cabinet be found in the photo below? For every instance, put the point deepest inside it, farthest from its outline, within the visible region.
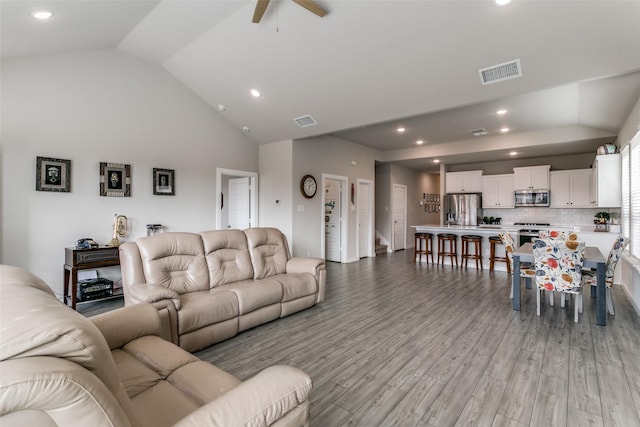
(571, 189)
(463, 182)
(497, 191)
(531, 178)
(606, 189)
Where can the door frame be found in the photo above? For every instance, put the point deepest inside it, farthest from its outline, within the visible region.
(404, 230)
(344, 215)
(253, 187)
(369, 250)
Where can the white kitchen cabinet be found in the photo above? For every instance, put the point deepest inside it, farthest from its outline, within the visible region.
(463, 182)
(571, 188)
(497, 191)
(606, 188)
(531, 178)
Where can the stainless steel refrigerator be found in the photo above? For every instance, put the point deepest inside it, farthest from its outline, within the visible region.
(462, 209)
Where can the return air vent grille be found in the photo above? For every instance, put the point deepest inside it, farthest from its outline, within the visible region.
(478, 132)
(305, 121)
(500, 72)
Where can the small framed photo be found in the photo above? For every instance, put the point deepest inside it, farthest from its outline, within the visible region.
(53, 175)
(115, 180)
(164, 182)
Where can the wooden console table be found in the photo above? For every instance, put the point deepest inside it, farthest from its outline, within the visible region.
(85, 259)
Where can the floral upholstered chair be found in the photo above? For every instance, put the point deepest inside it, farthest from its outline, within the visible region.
(558, 268)
(525, 269)
(589, 277)
(559, 235)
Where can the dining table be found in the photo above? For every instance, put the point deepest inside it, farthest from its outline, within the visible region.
(593, 258)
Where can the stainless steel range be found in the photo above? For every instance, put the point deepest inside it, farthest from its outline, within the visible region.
(530, 230)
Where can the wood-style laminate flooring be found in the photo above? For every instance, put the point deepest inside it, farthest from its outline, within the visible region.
(398, 343)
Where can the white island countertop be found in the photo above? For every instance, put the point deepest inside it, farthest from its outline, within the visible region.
(479, 229)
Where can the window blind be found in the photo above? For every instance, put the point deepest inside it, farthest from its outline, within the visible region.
(626, 193)
(634, 172)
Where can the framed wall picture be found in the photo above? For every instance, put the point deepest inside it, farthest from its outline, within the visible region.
(53, 174)
(164, 182)
(115, 180)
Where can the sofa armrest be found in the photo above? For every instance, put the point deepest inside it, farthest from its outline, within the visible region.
(146, 293)
(126, 324)
(259, 401)
(315, 266)
(305, 265)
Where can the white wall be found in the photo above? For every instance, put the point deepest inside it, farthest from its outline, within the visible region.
(332, 156)
(276, 188)
(104, 106)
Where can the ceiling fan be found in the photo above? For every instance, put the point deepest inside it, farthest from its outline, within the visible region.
(310, 5)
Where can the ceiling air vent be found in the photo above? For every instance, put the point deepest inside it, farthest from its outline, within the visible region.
(478, 132)
(305, 121)
(500, 72)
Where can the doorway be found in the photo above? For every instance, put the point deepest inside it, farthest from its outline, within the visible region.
(365, 209)
(399, 217)
(334, 218)
(236, 199)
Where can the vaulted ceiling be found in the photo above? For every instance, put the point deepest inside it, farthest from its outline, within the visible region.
(370, 66)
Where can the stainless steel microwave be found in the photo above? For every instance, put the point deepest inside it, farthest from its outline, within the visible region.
(531, 198)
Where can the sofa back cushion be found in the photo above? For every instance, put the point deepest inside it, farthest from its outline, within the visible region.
(227, 256)
(269, 251)
(175, 261)
(34, 324)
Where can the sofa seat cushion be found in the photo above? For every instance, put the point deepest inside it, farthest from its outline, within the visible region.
(296, 285)
(166, 383)
(204, 308)
(255, 294)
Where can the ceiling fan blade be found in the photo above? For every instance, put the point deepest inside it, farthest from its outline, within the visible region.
(312, 6)
(261, 6)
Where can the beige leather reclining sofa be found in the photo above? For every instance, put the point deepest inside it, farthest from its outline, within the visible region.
(212, 285)
(58, 368)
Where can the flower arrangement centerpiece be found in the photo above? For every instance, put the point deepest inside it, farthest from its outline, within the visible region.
(602, 221)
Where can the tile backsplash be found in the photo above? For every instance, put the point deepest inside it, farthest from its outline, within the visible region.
(557, 217)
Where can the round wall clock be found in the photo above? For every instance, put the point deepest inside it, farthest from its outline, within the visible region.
(308, 186)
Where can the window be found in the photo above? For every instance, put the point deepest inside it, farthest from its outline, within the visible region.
(631, 194)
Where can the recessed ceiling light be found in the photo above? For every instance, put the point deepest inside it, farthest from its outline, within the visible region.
(42, 14)
(401, 129)
(436, 160)
(504, 130)
(502, 2)
(513, 153)
(221, 107)
(501, 112)
(245, 129)
(255, 93)
(419, 142)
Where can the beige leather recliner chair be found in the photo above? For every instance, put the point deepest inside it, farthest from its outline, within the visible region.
(58, 368)
(212, 285)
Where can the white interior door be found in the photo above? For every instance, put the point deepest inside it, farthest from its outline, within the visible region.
(332, 219)
(365, 237)
(399, 216)
(239, 203)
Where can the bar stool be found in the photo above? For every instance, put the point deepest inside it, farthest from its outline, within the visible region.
(493, 241)
(443, 238)
(477, 255)
(428, 246)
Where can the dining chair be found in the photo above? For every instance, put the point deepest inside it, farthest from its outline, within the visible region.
(589, 277)
(526, 271)
(558, 268)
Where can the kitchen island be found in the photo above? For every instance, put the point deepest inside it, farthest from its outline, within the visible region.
(485, 231)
